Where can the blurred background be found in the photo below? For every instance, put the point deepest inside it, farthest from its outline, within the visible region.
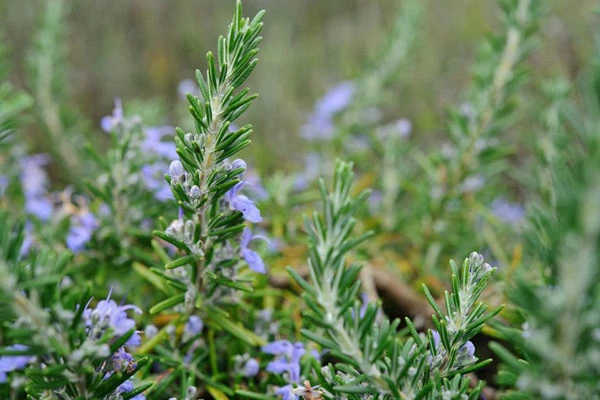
(144, 48)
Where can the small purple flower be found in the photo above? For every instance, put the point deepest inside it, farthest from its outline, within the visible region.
(154, 180)
(364, 297)
(511, 213)
(317, 127)
(436, 339)
(466, 355)
(316, 354)
(81, 230)
(40, 207)
(243, 204)
(193, 327)
(238, 163)
(188, 86)
(110, 122)
(122, 360)
(34, 182)
(3, 183)
(278, 347)
(467, 350)
(287, 393)
(13, 363)
(107, 314)
(365, 304)
(33, 176)
(253, 259)
(28, 240)
(251, 368)
(336, 99)
(288, 359)
(126, 387)
(153, 142)
(320, 123)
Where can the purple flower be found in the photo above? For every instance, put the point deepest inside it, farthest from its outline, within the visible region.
(287, 393)
(251, 368)
(318, 127)
(193, 327)
(188, 86)
(364, 297)
(365, 303)
(253, 259)
(466, 354)
(110, 122)
(243, 204)
(511, 213)
(13, 363)
(467, 350)
(336, 99)
(28, 240)
(81, 230)
(288, 359)
(122, 360)
(320, 124)
(39, 207)
(154, 180)
(107, 314)
(436, 339)
(3, 183)
(153, 144)
(34, 182)
(126, 387)
(238, 163)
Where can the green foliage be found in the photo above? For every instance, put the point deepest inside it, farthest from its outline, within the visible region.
(558, 346)
(63, 125)
(372, 358)
(12, 101)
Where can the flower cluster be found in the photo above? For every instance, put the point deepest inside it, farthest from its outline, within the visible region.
(112, 319)
(287, 362)
(107, 315)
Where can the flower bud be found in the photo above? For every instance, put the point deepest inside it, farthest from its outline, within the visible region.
(176, 171)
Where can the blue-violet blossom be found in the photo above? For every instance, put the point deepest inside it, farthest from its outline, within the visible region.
(320, 124)
(253, 259)
(108, 314)
(110, 122)
(511, 213)
(34, 182)
(13, 363)
(243, 204)
(82, 227)
(288, 360)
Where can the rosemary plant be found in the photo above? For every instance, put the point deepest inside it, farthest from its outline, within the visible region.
(372, 359)
(152, 284)
(555, 353)
(48, 70)
(69, 349)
